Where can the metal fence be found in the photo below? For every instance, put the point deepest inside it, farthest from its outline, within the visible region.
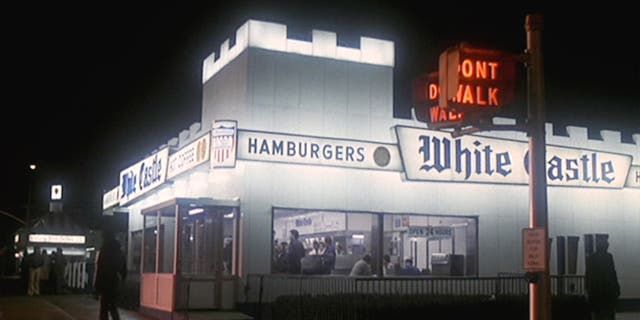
(263, 288)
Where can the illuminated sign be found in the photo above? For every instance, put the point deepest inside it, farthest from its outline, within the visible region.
(56, 192)
(426, 92)
(193, 154)
(476, 80)
(633, 180)
(143, 176)
(436, 156)
(223, 148)
(298, 149)
(56, 238)
(313, 222)
(430, 232)
(111, 198)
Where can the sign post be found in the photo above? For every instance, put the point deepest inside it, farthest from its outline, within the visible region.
(477, 82)
(540, 291)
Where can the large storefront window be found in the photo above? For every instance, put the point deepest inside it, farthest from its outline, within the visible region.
(434, 245)
(351, 234)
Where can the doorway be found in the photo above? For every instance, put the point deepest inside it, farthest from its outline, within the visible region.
(185, 263)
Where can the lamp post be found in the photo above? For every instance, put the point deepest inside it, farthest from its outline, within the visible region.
(32, 169)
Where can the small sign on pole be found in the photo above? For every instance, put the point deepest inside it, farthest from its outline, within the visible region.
(534, 251)
(56, 192)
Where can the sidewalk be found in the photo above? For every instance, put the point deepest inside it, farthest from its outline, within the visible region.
(61, 307)
(79, 307)
(84, 307)
(628, 316)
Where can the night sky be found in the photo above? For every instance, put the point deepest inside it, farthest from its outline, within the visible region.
(92, 89)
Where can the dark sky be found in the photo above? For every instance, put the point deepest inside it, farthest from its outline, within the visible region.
(91, 89)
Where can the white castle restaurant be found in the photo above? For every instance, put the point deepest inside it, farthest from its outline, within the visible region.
(301, 135)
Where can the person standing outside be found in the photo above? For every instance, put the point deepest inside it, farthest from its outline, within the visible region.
(295, 252)
(601, 279)
(111, 271)
(35, 262)
(59, 265)
(44, 271)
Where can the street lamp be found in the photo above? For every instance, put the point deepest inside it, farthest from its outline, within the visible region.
(32, 169)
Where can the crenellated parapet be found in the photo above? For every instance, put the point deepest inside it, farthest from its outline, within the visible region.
(578, 137)
(273, 36)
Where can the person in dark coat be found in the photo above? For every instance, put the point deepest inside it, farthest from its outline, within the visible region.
(59, 265)
(111, 271)
(295, 253)
(329, 256)
(603, 288)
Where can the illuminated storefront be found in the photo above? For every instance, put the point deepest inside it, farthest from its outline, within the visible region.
(301, 135)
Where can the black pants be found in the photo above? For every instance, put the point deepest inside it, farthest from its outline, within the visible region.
(108, 306)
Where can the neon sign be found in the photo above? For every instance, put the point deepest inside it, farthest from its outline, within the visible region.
(426, 93)
(476, 80)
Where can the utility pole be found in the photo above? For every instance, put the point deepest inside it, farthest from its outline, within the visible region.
(540, 290)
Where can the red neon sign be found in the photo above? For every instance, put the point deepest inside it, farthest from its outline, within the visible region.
(476, 80)
(425, 100)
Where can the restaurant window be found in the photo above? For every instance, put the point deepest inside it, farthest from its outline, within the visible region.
(352, 234)
(207, 235)
(150, 238)
(229, 221)
(166, 237)
(197, 254)
(436, 245)
(136, 243)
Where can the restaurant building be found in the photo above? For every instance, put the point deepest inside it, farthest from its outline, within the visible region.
(301, 135)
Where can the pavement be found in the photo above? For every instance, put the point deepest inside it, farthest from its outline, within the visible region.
(80, 307)
(85, 307)
(628, 316)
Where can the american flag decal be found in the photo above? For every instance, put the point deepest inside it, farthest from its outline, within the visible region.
(223, 144)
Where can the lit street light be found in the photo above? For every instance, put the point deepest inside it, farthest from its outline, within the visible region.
(32, 169)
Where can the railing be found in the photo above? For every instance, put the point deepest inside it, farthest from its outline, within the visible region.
(76, 275)
(266, 288)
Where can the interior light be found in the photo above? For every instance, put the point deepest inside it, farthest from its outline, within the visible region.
(196, 211)
(357, 236)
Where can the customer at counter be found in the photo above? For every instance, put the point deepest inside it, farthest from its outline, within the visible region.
(362, 267)
(409, 269)
(329, 256)
(388, 269)
(295, 252)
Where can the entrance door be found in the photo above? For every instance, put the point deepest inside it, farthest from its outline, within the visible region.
(201, 239)
(184, 254)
